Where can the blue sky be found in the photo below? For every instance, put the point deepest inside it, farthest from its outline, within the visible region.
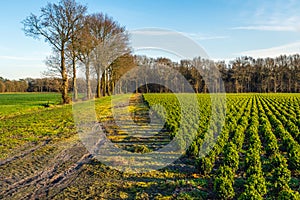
(226, 29)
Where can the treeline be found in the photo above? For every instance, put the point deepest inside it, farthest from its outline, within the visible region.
(40, 85)
(30, 85)
(7, 85)
(245, 74)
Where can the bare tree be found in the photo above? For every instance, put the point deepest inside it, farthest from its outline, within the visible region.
(55, 24)
(84, 46)
(72, 54)
(120, 66)
(104, 55)
(53, 65)
(112, 42)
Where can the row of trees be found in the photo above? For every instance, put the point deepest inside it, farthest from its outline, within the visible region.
(93, 40)
(41, 85)
(244, 74)
(13, 86)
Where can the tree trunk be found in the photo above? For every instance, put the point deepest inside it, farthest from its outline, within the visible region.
(289, 84)
(75, 91)
(98, 84)
(107, 89)
(98, 87)
(88, 83)
(120, 87)
(147, 87)
(236, 86)
(205, 88)
(65, 83)
(113, 89)
(103, 83)
(275, 85)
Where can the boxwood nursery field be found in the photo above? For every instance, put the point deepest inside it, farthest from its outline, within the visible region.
(256, 155)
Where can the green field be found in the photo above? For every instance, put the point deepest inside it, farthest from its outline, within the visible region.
(20, 103)
(256, 155)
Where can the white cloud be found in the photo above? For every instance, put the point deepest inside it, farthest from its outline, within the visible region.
(288, 49)
(277, 15)
(199, 36)
(163, 32)
(152, 32)
(267, 28)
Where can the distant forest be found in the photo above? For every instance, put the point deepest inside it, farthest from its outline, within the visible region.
(244, 74)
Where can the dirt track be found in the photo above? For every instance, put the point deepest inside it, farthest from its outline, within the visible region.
(37, 170)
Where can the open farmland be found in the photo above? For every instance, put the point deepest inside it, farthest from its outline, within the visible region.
(256, 155)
